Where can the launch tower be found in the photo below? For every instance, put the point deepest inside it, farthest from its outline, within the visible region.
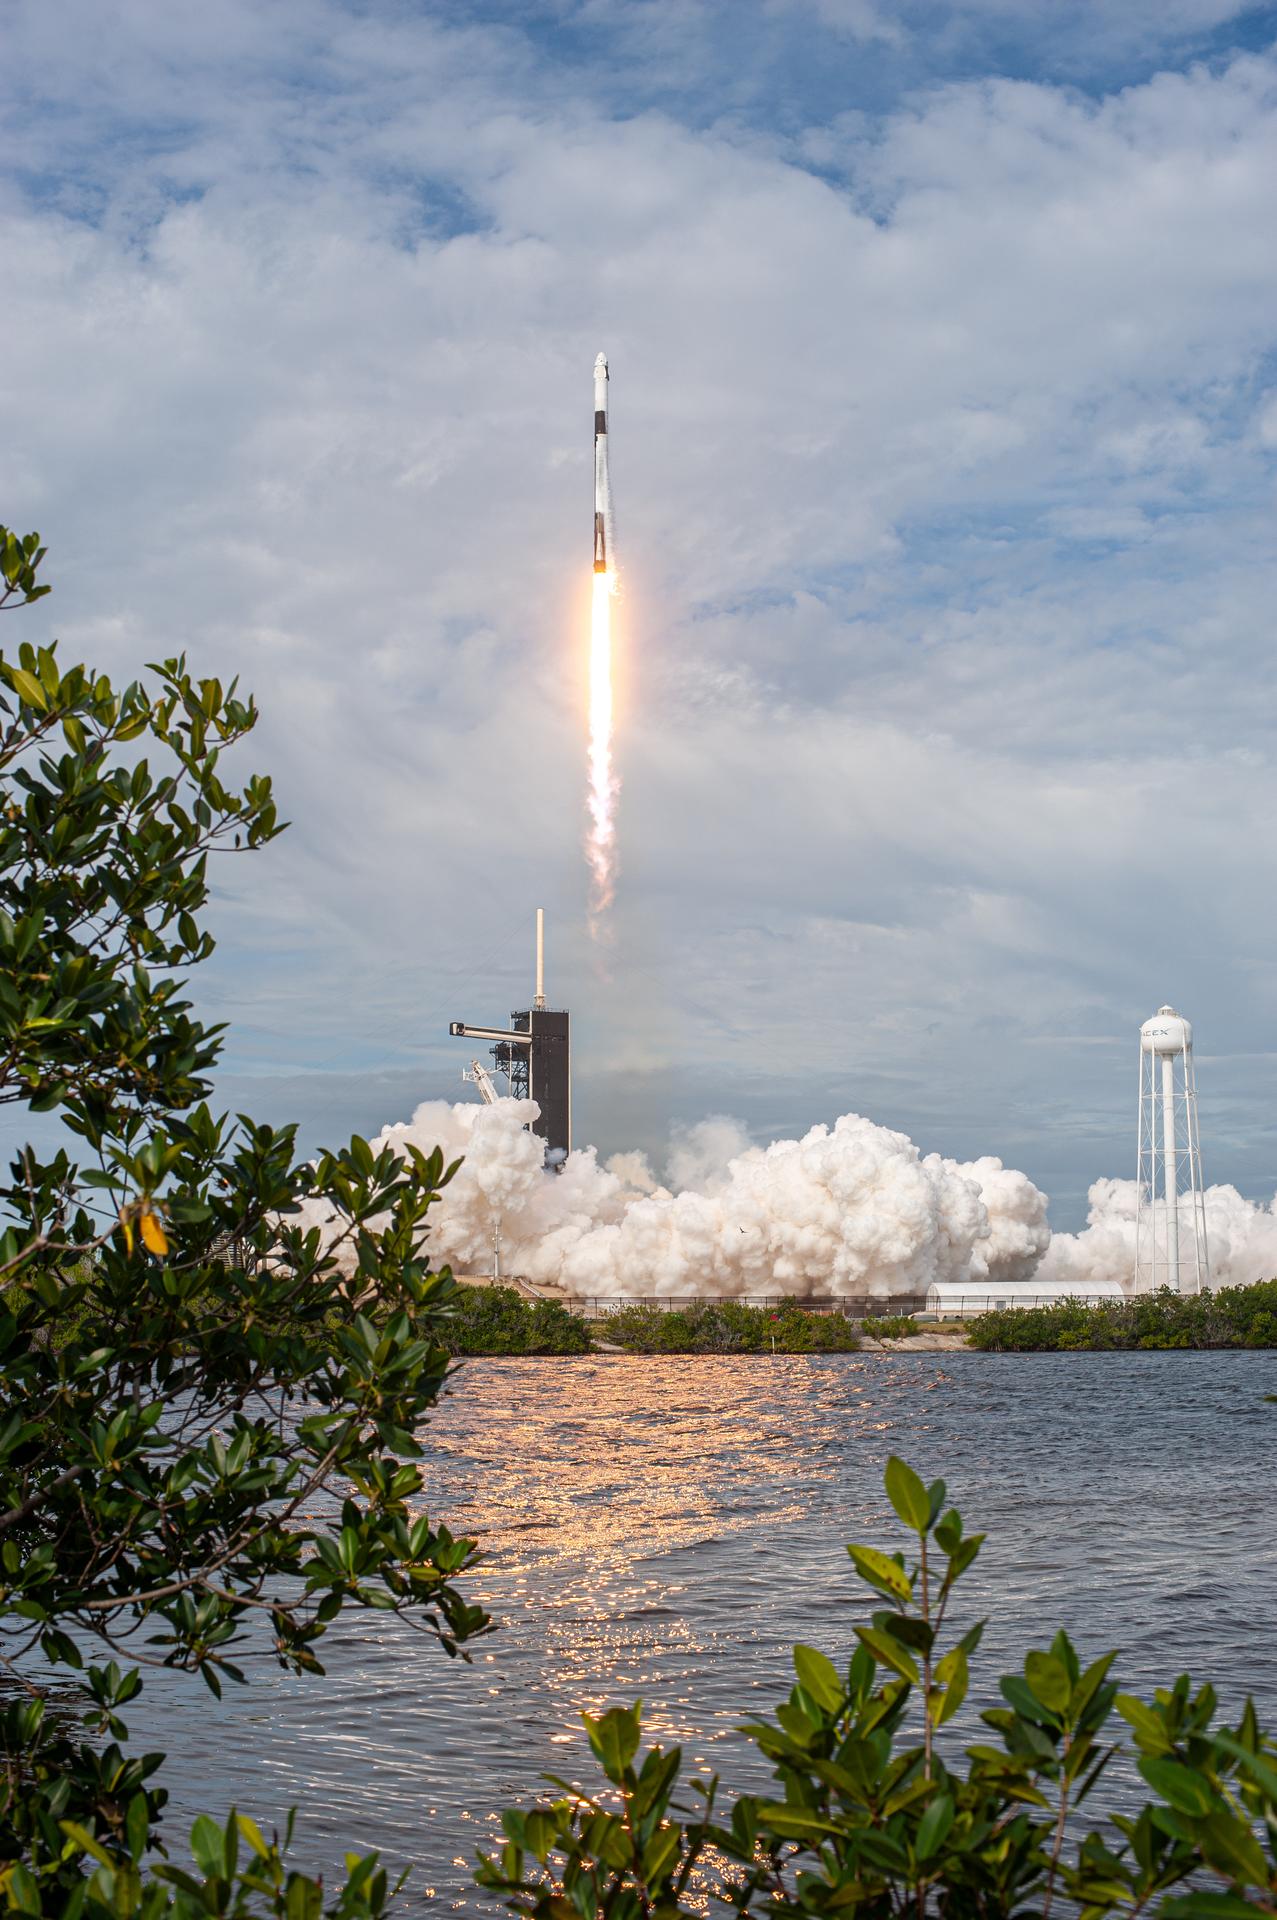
(534, 1057)
(1170, 1209)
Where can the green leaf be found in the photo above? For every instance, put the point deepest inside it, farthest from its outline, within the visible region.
(949, 1531)
(791, 1823)
(137, 1825)
(1048, 1681)
(85, 1840)
(30, 689)
(953, 1674)
(251, 1832)
(910, 1629)
(1231, 1847)
(23, 1891)
(934, 1826)
(907, 1494)
(303, 1898)
(1150, 1728)
(614, 1736)
(963, 1554)
(1180, 1786)
(660, 1854)
(818, 1676)
(881, 1572)
(208, 1847)
(887, 1653)
(1017, 1695)
(1261, 1771)
(540, 1832)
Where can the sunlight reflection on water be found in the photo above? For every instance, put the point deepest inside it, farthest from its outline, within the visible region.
(668, 1527)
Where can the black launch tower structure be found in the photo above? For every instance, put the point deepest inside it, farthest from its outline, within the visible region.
(534, 1057)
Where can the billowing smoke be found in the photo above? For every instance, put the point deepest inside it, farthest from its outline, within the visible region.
(1241, 1240)
(700, 1156)
(852, 1209)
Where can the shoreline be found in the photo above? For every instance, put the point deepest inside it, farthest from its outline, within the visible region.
(501, 1320)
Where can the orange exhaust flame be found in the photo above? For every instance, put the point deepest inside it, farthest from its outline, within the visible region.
(600, 845)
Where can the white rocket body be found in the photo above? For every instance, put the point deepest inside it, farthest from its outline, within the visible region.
(602, 482)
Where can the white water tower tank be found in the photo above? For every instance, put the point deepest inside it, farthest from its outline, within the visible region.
(1167, 1032)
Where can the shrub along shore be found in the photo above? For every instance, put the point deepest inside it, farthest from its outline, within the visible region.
(499, 1320)
(1230, 1317)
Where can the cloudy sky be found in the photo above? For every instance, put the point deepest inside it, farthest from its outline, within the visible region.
(944, 413)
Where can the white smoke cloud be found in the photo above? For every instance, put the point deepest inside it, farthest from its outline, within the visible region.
(1241, 1240)
(633, 1170)
(1018, 1233)
(852, 1209)
(700, 1156)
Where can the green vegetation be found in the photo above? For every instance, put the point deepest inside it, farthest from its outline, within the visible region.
(207, 1415)
(726, 1326)
(893, 1326)
(499, 1320)
(878, 1813)
(1232, 1317)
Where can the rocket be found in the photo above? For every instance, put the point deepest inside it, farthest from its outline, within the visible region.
(602, 482)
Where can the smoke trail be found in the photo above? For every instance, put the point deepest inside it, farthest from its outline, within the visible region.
(603, 784)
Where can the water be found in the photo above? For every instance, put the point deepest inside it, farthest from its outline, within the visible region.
(668, 1527)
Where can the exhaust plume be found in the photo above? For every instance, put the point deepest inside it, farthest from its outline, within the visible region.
(600, 844)
(853, 1209)
(1241, 1237)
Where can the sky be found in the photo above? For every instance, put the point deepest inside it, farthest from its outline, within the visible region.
(943, 343)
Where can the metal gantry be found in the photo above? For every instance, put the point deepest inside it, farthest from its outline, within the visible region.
(534, 1058)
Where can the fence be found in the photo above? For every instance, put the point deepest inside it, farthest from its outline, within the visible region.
(854, 1307)
(964, 1306)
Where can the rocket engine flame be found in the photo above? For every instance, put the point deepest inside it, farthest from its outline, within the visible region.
(603, 786)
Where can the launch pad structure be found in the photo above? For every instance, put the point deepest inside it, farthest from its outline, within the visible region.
(534, 1058)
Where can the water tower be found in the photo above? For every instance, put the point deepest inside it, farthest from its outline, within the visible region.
(1170, 1211)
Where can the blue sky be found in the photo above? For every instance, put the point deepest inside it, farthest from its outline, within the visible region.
(944, 437)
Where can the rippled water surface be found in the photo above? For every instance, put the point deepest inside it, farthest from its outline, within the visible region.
(668, 1527)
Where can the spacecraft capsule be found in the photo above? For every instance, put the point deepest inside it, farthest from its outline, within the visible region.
(602, 481)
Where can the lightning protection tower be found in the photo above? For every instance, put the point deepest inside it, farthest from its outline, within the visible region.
(1170, 1210)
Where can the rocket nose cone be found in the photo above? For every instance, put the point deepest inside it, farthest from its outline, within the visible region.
(600, 364)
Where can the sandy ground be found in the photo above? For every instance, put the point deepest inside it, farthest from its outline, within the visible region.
(917, 1343)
